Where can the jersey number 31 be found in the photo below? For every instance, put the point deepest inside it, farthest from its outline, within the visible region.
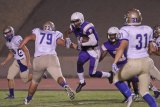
(142, 41)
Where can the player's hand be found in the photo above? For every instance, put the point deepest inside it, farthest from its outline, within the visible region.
(79, 45)
(68, 42)
(3, 63)
(115, 69)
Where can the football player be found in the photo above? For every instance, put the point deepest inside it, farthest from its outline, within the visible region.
(136, 38)
(21, 62)
(156, 35)
(88, 48)
(45, 57)
(110, 47)
(157, 39)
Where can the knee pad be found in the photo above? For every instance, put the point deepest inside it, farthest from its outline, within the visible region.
(80, 67)
(79, 63)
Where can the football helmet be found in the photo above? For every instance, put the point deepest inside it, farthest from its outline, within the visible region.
(77, 18)
(133, 17)
(49, 26)
(156, 31)
(112, 34)
(8, 33)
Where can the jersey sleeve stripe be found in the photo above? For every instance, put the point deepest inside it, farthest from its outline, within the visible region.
(87, 27)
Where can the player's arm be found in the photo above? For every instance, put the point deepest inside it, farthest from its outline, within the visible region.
(103, 54)
(67, 33)
(62, 42)
(91, 42)
(152, 48)
(27, 54)
(9, 57)
(27, 39)
(157, 52)
(120, 50)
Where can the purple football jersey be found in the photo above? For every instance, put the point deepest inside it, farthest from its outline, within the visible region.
(111, 48)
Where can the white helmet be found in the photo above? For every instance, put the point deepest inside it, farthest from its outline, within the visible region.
(133, 17)
(49, 26)
(8, 33)
(113, 33)
(77, 16)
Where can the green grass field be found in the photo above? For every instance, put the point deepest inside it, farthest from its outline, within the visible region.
(60, 99)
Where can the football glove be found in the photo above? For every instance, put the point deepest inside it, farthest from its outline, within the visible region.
(79, 45)
(115, 69)
(68, 42)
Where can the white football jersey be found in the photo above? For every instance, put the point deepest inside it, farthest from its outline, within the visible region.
(13, 46)
(158, 41)
(139, 38)
(45, 43)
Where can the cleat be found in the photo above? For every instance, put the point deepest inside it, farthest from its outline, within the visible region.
(137, 98)
(110, 79)
(44, 76)
(125, 100)
(78, 89)
(130, 101)
(70, 93)
(10, 97)
(26, 101)
(156, 94)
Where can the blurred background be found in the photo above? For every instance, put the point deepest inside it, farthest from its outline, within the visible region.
(25, 15)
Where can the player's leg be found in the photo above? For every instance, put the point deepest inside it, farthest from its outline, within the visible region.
(39, 66)
(135, 81)
(144, 91)
(154, 72)
(24, 71)
(144, 80)
(12, 72)
(54, 69)
(123, 88)
(82, 59)
(128, 82)
(129, 70)
(155, 90)
(94, 60)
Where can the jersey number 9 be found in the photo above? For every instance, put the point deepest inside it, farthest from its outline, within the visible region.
(46, 36)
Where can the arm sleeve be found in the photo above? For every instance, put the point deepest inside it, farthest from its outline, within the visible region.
(35, 31)
(59, 35)
(151, 35)
(91, 42)
(103, 48)
(123, 35)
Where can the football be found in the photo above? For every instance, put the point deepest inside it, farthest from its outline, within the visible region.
(85, 39)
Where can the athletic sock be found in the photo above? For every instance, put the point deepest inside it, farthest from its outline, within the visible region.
(123, 88)
(11, 91)
(81, 77)
(150, 100)
(29, 98)
(106, 74)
